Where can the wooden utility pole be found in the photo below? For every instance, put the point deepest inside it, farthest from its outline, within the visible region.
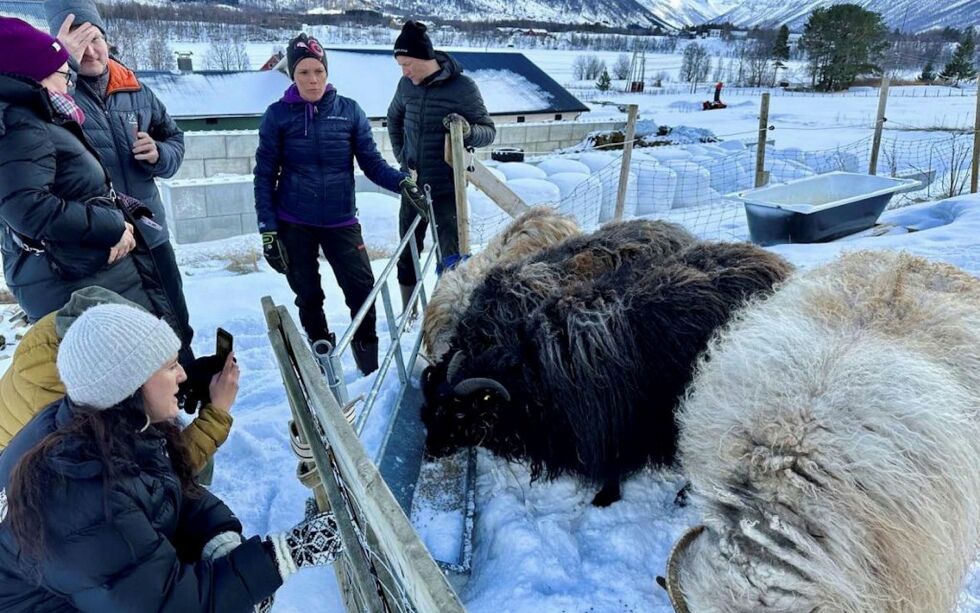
(624, 172)
(761, 177)
(879, 125)
(458, 152)
(976, 145)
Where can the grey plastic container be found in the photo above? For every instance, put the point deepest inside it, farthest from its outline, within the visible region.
(819, 208)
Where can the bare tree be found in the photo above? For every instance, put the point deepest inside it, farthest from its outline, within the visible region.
(158, 52)
(580, 67)
(621, 69)
(226, 53)
(695, 66)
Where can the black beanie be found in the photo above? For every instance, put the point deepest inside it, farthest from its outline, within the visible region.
(302, 47)
(414, 42)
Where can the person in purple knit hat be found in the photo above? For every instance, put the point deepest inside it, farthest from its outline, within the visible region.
(59, 228)
(304, 194)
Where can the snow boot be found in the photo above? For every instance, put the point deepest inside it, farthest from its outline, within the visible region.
(406, 296)
(366, 356)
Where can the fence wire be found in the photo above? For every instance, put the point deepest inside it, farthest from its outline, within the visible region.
(694, 185)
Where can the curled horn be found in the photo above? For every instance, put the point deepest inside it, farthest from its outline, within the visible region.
(672, 583)
(455, 364)
(468, 386)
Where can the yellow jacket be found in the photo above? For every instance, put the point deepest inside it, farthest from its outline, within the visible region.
(32, 383)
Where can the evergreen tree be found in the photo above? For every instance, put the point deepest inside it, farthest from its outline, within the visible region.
(928, 72)
(604, 81)
(780, 48)
(960, 67)
(842, 42)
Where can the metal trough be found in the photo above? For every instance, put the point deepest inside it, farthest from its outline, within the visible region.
(819, 208)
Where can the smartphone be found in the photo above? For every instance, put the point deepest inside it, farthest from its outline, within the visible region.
(132, 122)
(223, 345)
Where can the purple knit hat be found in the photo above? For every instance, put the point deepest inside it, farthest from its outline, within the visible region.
(37, 55)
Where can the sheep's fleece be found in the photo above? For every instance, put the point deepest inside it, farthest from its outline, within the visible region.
(832, 436)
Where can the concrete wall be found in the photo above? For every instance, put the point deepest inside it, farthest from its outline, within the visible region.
(211, 196)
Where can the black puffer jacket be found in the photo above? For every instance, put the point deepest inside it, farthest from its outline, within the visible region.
(107, 128)
(147, 556)
(49, 177)
(415, 121)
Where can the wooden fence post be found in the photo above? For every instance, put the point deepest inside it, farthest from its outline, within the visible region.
(761, 177)
(976, 145)
(624, 172)
(879, 125)
(458, 153)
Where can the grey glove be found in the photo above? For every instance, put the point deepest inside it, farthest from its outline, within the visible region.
(312, 542)
(448, 120)
(415, 197)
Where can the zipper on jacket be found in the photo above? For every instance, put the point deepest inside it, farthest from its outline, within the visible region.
(319, 162)
(421, 130)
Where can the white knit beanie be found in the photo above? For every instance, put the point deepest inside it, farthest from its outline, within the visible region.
(109, 353)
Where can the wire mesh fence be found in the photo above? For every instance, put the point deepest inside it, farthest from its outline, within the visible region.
(695, 185)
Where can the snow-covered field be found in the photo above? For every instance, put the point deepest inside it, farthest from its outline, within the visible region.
(539, 548)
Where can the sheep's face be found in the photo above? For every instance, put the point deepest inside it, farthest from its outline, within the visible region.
(458, 415)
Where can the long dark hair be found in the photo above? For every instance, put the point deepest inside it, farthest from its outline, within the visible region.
(102, 435)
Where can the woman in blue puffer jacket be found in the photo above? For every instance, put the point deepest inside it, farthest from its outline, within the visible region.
(304, 194)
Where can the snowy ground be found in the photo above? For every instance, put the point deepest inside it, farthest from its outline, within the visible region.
(538, 548)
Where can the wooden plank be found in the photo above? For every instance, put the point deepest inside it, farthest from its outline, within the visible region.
(624, 171)
(879, 125)
(458, 152)
(497, 190)
(407, 556)
(760, 152)
(975, 166)
(362, 581)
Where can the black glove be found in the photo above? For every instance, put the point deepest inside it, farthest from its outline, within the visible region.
(415, 197)
(448, 119)
(312, 542)
(275, 253)
(195, 391)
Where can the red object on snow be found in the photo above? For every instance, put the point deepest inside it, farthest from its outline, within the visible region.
(716, 103)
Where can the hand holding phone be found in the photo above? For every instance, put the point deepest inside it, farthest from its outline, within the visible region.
(224, 344)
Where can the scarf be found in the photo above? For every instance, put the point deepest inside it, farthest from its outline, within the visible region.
(65, 107)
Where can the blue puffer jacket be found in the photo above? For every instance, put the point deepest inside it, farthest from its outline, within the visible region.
(146, 556)
(304, 166)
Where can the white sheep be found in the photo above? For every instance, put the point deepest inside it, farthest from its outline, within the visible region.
(529, 233)
(832, 434)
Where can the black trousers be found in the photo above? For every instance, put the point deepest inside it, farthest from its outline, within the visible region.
(444, 207)
(173, 287)
(345, 252)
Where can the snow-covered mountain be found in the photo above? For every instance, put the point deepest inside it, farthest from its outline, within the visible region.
(909, 15)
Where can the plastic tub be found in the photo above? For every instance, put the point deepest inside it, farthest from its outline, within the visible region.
(819, 208)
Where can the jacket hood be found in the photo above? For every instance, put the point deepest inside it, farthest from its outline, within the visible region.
(121, 79)
(450, 69)
(83, 299)
(291, 95)
(19, 91)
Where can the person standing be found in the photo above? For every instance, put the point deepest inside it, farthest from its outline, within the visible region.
(432, 92)
(304, 194)
(135, 137)
(60, 230)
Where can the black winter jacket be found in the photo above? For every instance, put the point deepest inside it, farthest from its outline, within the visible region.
(146, 557)
(49, 176)
(304, 166)
(107, 128)
(415, 121)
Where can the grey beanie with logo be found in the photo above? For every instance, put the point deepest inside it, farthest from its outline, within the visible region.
(84, 10)
(110, 351)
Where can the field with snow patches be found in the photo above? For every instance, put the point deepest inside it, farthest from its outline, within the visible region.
(539, 548)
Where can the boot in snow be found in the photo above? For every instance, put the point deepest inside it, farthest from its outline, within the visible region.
(366, 356)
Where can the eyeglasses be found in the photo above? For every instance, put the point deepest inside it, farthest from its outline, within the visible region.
(69, 76)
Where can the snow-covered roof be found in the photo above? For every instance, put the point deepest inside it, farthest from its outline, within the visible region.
(510, 83)
(31, 11)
